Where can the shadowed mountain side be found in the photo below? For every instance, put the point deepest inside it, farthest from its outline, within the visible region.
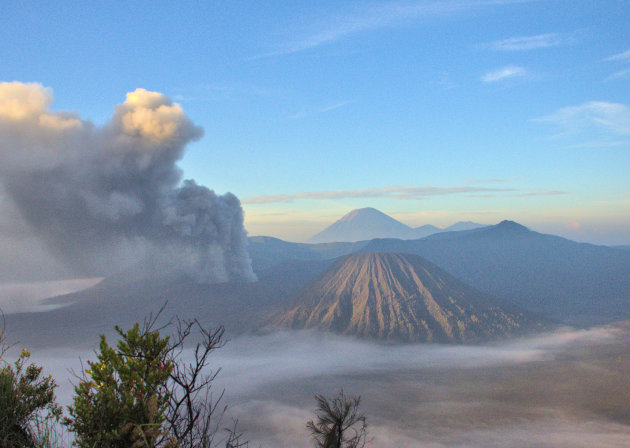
(463, 225)
(239, 307)
(402, 297)
(429, 230)
(577, 283)
(426, 230)
(266, 251)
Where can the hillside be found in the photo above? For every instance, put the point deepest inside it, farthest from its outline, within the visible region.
(267, 252)
(125, 299)
(401, 297)
(574, 282)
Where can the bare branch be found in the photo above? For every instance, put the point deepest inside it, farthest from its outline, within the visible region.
(194, 414)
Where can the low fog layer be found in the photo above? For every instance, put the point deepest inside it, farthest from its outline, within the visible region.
(103, 198)
(27, 297)
(306, 354)
(565, 389)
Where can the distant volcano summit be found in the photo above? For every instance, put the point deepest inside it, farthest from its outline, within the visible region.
(368, 223)
(363, 224)
(402, 297)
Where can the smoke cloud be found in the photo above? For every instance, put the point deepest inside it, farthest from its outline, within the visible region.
(101, 198)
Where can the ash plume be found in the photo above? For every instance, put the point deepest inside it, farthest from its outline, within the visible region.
(102, 198)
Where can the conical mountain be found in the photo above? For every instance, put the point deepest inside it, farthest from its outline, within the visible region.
(363, 224)
(402, 297)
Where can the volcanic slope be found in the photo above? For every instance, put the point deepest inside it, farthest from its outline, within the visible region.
(402, 297)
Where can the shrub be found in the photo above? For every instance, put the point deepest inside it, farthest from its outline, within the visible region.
(144, 394)
(123, 397)
(27, 404)
(339, 423)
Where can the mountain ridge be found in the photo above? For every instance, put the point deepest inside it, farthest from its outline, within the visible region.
(368, 223)
(579, 283)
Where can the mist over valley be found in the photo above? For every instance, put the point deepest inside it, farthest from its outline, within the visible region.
(562, 389)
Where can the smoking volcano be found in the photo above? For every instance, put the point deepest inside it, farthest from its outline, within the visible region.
(105, 197)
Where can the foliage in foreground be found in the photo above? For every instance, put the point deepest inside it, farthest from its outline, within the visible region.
(144, 394)
(123, 399)
(339, 424)
(27, 404)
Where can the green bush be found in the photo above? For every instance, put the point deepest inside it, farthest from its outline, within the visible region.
(27, 404)
(139, 394)
(121, 400)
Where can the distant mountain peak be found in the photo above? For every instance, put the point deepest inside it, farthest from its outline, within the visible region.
(363, 212)
(510, 226)
(368, 223)
(363, 224)
(429, 227)
(508, 222)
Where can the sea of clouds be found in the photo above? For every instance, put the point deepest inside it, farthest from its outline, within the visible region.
(421, 395)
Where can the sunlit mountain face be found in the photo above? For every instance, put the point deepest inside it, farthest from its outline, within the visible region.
(402, 297)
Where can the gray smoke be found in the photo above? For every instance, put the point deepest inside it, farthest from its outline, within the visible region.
(105, 197)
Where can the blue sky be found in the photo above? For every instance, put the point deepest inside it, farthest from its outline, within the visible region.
(431, 111)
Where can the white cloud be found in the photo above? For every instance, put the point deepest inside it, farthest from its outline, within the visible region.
(303, 113)
(622, 74)
(623, 56)
(510, 71)
(598, 116)
(334, 106)
(620, 57)
(539, 193)
(30, 102)
(377, 17)
(523, 43)
(394, 192)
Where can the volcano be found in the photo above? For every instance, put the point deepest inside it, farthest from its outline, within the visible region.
(364, 224)
(405, 298)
